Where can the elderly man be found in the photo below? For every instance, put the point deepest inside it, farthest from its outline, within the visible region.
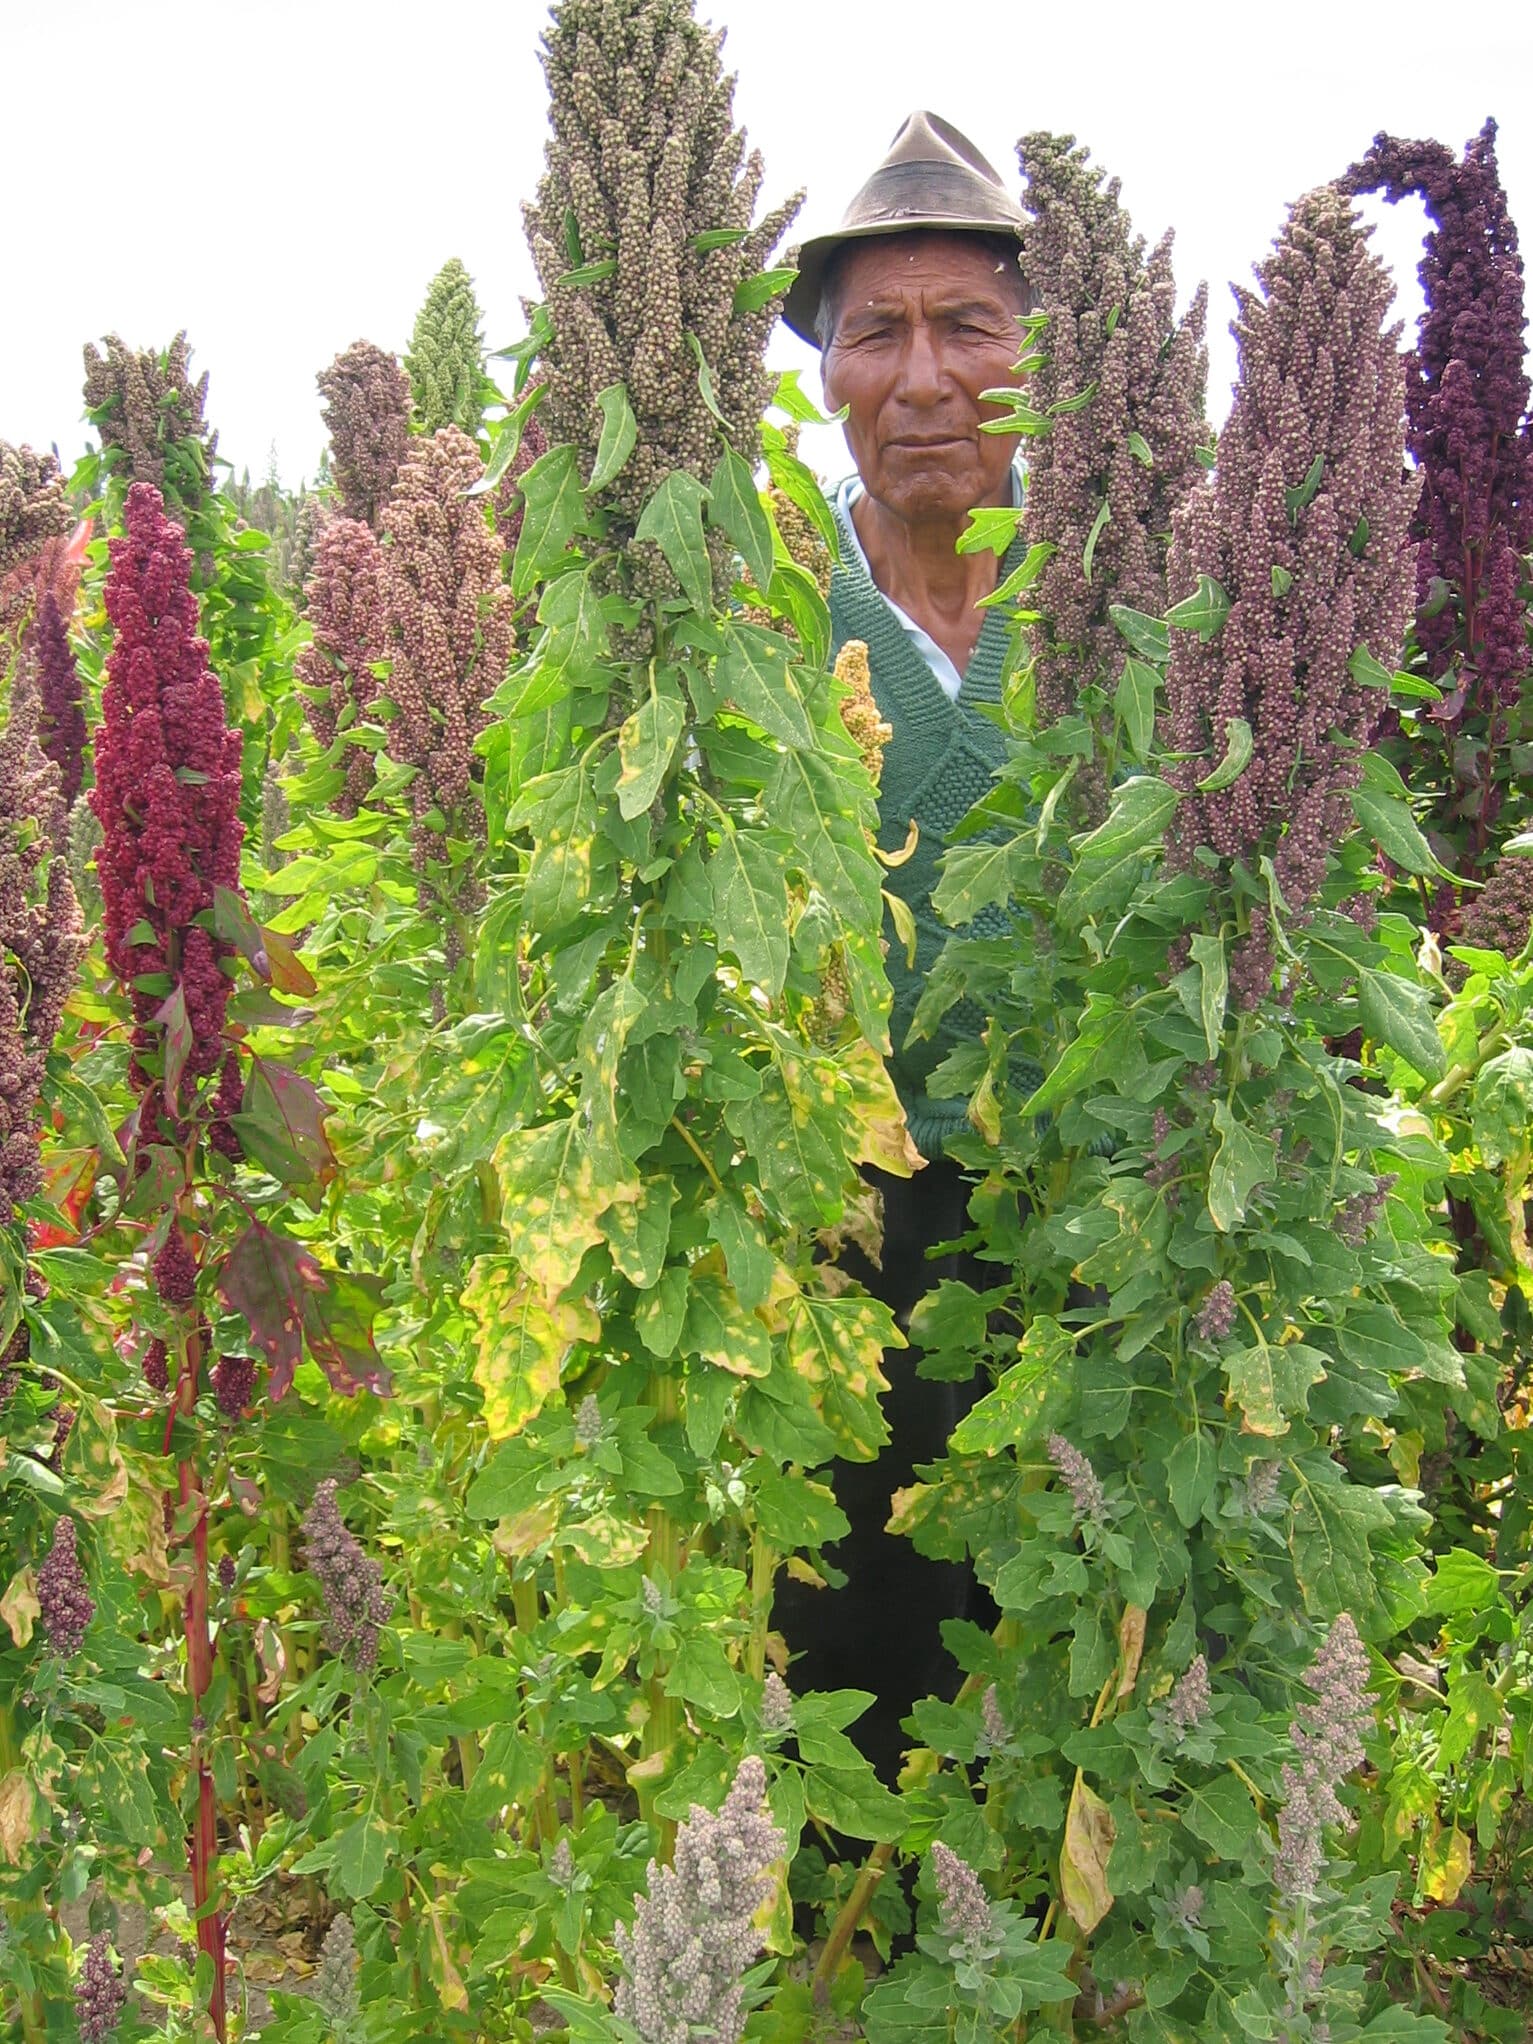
(914, 303)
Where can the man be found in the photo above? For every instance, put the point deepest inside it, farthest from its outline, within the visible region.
(914, 303)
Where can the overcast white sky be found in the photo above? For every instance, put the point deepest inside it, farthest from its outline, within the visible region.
(282, 177)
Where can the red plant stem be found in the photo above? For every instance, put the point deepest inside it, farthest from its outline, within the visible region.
(202, 1845)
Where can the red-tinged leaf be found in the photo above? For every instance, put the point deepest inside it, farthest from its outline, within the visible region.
(271, 956)
(177, 1025)
(338, 1323)
(287, 971)
(156, 1184)
(282, 1126)
(269, 1278)
(69, 1178)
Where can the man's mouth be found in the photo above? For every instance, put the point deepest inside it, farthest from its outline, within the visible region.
(924, 443)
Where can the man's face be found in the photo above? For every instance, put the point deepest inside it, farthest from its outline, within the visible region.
(923, 323)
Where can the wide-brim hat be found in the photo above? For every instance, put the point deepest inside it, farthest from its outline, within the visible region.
(932, 177)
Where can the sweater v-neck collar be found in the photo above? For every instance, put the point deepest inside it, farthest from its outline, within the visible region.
(927, 701)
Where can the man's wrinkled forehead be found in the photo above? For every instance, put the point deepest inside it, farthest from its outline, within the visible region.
(950, 272)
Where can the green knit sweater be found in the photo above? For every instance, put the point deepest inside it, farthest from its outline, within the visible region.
(941, 759)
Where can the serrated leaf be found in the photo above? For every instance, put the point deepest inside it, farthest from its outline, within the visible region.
(521, 1342)
(1241, 1163)
(619, 435)
(1398, 1013)
(1023, 576)
(974, 877)
(1192, 1470)
(735, 506)
(553, 507)
(1238, 747)
(1270, 1382)
(836, 1347)
(755, 673)
(550, 1200)
(360, 1855)
(721, 1331)
(673, 519)
(1027, 1396)
(750, 907)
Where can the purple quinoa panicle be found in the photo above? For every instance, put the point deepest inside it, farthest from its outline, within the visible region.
(41, 941)
(356, 1603)
(963, 1908)
(67, 1606)
(33, 505)
(343, 600)
(144, 402)
(1304, 527)
(1466, 396)
(1112, 329)
(694, 1932)
(100, 1994)
(367, 415)
(1078, 1478)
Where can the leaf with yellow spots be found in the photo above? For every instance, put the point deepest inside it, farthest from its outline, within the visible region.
(571, 866)
(638, 1231)
(720, 1330)
(836, 1347)
(1445, 1865)
(1089, 1836)
(1271, 1381)
(521, 1342)
(551, 1202)
(882, 1137)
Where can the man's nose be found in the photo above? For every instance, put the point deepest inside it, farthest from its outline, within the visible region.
(922, 378)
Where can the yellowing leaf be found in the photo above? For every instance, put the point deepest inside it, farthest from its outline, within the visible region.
(552, 1202)
(836, 1347)
(882, 1137)
(1445, 1865)
(522, 1342)
(18, 1801)
(19, 1606)
(1088, 1842)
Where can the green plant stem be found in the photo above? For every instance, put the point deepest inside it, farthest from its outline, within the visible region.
(203, 1844)
(848, 1916)
(763, 1579)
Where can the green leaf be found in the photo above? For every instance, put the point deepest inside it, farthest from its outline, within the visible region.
(1134, 705)
(1238, 747)
(361, 1853)
(1297, 499)
(735, 506)
(673, 519)
(1213, 986)
(1147, 635)
(1501, 1109)
(755, 673)
(1381, 804)
(750, 907)
(1282, 581)
(974, 877)
(1221, 1813)
(1270, 1382)
(1398, 1013)
(1461, 1585)
(1204, 612)
(752, 293)
(1099, 523)
(1109, 857)
(1241, 1163)
(555, 506)
(646, 745)
(1027, 1396)
(719, 1330)
(619, 435)
(991, 529)
(1139, 447)
(1023, 576)
(1104, 1045)
(1192, 1470)
(705, 381)
(800, 487)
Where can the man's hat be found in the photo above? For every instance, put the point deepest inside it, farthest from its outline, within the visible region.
(933, 177)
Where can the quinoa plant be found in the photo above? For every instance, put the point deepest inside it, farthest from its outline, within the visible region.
(1217, 1278)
